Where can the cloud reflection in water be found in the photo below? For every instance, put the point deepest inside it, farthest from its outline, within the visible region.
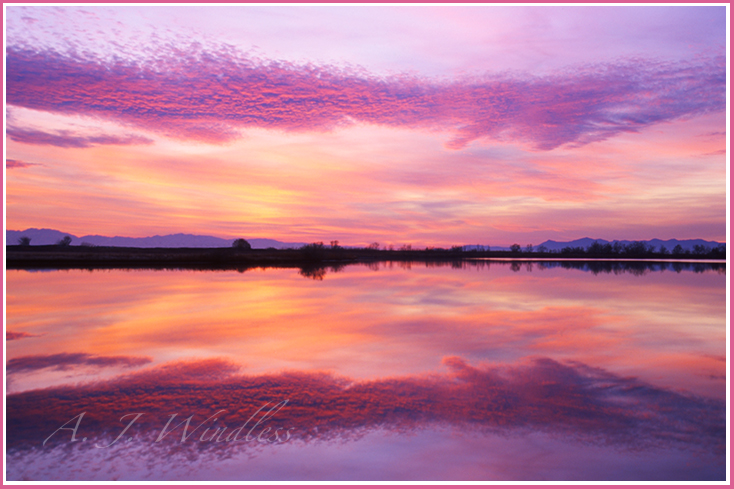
(568, 402)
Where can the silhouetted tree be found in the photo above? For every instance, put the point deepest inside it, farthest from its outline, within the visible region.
(663, 250)
(678, 250)
(636, 248)
(595, 248)
(573, 250)
(335, 245)
(541, 249)
(529, 248)
(65, 241)
(515, 248)
(24, 241)
(314, 251)
(374, 246)
(241, 244)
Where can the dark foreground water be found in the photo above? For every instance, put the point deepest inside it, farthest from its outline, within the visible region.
(476, 371)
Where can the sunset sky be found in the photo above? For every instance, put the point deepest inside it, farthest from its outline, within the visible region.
(429, 125)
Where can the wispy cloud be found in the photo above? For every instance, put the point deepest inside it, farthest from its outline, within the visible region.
(211, 95)
(18, 164)
(69, 139)
(16, 335)
(719, 152)
(63, 361)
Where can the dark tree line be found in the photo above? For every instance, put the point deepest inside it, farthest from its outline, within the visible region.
(640, 249)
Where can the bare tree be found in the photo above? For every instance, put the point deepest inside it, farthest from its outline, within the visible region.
(65, 241)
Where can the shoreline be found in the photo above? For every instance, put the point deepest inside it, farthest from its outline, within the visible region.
(54, 256)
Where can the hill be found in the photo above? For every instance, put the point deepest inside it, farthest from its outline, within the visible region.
(51, 236)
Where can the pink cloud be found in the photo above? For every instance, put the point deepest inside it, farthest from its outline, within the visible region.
(210, 96)
(570, 399)
(18, 164)
(68, 139)
(15, 335)
(63, 361)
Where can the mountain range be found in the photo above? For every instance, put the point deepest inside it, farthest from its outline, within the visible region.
(51, 236)
(686, 244)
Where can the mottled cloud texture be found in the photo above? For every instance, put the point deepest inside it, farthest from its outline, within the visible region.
(569, 399)
(63, 361)
(211, 95)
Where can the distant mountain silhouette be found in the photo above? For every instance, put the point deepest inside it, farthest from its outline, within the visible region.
(686, 244)
(51, 236)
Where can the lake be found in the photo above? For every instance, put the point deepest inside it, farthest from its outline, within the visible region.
(484, 370)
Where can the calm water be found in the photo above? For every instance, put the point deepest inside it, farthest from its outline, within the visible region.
(477, 371)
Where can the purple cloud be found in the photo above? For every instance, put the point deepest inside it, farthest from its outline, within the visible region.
(63, 361)
(569, 399)
(18, 164)
(14, 335)
(211, 96)
(67, 139)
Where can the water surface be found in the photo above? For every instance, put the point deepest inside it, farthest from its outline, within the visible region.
(476, 371)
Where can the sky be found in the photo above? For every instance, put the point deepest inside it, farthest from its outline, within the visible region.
(421, 125)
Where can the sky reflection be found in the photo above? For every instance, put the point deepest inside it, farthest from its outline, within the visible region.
(619, 362)
(368, 324)
(228, 410)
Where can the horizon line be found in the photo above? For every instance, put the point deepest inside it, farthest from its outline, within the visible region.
(397, 243)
